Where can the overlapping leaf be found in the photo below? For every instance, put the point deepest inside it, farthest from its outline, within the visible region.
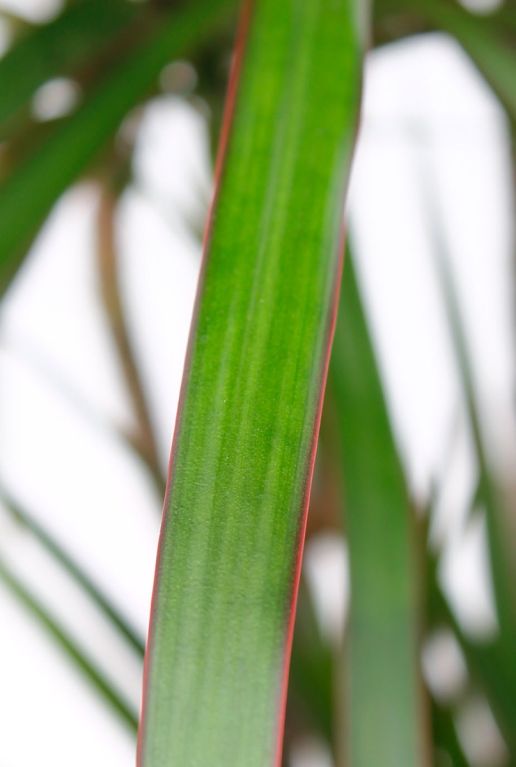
(57, 48)
(29, 193)
(383, 688)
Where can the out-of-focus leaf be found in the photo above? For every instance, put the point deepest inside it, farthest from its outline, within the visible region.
(492, 667)
(445, 737)
(484, 41)
(217, 660)
(28, 194)
(312, 670)
(385, 712)
(74, 570)
(493, 663)
(85, 665)
(489, 492)
(57, 47)
(490, 664)
(488, 39)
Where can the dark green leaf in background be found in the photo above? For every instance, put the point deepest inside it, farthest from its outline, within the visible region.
(385, 709)
(66, 642)
(58, 48)
(28, 194)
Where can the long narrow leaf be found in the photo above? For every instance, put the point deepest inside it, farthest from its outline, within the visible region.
(312, 671)
(27, 196)
(484, 41)
(493, 663)
(385, 721)
(446, 739)
(217, 663)
(84, 664)
(489, 492)
(55, 549)
(54, 48)
(489, 664)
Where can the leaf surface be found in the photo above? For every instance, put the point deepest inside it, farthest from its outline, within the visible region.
(57, 47)
(92, 673)
(29, 193)
(491, 663)
(82, 578)
(490, 43)
(228, 566)
(385, 712)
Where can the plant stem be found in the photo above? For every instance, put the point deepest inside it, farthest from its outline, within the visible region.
(144, 439)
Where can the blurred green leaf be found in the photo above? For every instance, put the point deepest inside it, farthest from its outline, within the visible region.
(74, 570)
(493, 662)
(445, 737)
(312, 670)
(489, 491)
(488, 38)
(489, 664)
(246, 432)
(484, 40)
(28, 194)
(85, 665)
(56, 48)
(385, 712)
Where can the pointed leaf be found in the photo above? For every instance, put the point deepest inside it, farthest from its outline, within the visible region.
(485, 42)
(493, 663)
(312, 669)
(489, 491)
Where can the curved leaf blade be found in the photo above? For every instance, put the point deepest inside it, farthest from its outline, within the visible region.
(94, 675)
(56, 47)
(385, 711)
(228, 565)
(484, 41)
(81, 577)
(28, 194)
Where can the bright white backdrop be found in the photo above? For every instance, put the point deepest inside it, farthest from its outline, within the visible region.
(428, 120)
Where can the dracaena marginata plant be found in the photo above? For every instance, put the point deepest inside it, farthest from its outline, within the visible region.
(230, 675)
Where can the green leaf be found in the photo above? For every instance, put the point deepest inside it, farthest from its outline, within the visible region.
(74, 570)
(385, 719)
(445, 737)
(29, 193)
(489, 493)
(57, 47)
(312, 670)
(81, 661)
(216, 668)
(485, 43)
(492, 663)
